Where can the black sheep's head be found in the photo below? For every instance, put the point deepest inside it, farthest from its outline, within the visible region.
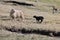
(34, 16)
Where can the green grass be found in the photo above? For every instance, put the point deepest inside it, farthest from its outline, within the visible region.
(48, 3)
(57, 2)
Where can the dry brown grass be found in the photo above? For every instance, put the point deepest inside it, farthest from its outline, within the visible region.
(51, 22)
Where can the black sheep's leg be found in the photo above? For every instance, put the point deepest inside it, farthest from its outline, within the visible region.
(37, 21)
(41, 20)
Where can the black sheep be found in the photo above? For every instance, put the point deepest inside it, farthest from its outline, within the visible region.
(38, 18)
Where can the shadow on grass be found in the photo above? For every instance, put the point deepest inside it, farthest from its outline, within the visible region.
(19, 3)
(34, 31)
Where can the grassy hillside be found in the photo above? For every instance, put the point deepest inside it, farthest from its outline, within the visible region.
(48, 1)
(43, 5)
(57, 2)
(51, 21)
